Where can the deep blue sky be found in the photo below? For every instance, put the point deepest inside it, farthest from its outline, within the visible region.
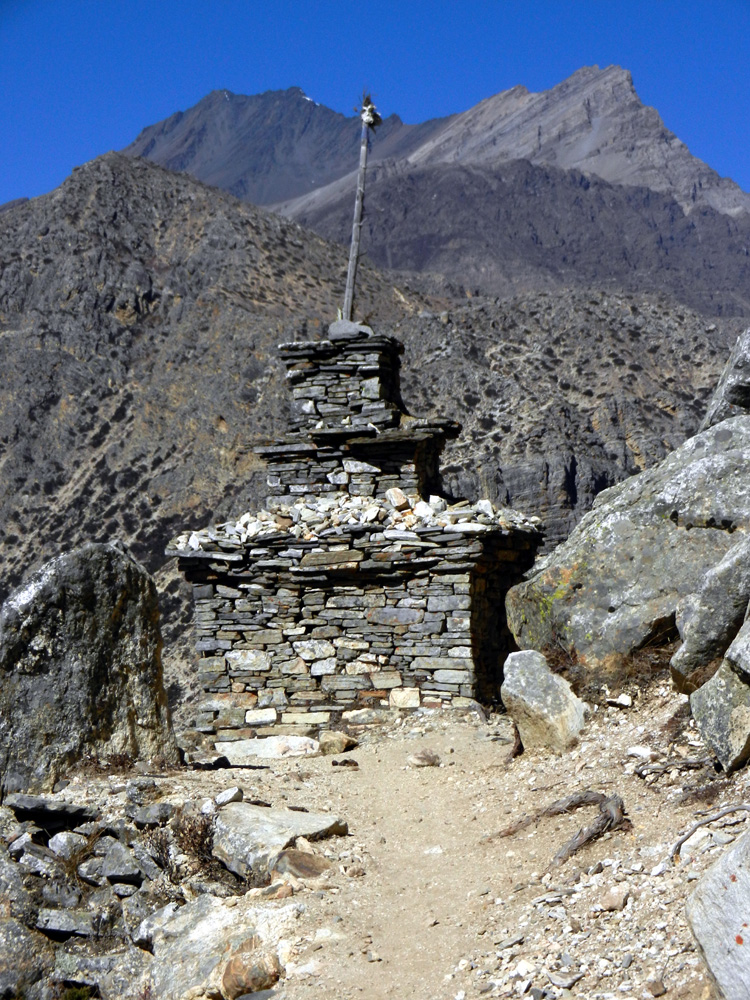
(80, 77)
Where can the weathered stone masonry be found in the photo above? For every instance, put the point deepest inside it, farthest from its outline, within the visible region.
(359, 585)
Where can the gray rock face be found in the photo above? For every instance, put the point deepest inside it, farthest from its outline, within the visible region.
(80, 661)
(717, 911)
(709, 620)
(207, 947)
(247, 836)
(541, 703)
(721, 709)
(25, 957)
(618, 580)
(732, 394)
(738, 653)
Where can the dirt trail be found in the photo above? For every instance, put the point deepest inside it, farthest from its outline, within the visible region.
(426, 869)
(423, 903)
(442, 912)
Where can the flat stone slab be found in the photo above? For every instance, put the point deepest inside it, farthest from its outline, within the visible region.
(66, 922)
(247, 836)
(718, 911)
(239, 752)
(48, 812)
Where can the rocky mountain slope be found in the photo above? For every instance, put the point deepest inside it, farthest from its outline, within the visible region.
(138, 315)
(522, 227)
(578, 185)
(139, 312)
(560, 395)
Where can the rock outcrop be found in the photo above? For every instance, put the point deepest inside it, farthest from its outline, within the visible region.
(80, 661)
(732, 395)
(208, 950)
(721, 709)
(709, 619)
(717, 911)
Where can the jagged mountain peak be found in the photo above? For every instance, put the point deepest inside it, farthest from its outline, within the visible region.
(593, 121)
(267, 147)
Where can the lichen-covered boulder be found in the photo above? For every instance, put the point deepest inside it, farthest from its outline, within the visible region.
(80, 668)
(617, 582)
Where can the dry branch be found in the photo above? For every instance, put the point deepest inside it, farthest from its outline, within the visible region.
(740, 807)
(559, 807)
(611, 816)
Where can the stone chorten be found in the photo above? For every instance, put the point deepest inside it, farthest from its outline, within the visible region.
(359, 586)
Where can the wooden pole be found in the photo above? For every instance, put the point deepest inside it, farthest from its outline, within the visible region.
(351, 274)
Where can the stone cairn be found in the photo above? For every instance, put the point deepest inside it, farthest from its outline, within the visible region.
(359, 585)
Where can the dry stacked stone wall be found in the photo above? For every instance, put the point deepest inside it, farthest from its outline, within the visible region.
(358, 585)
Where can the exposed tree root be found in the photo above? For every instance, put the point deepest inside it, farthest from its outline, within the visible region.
(740, 807)
(517, 749)
(672, 765)
(611, 817)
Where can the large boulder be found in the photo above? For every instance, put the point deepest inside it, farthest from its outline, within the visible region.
(618, 581)
(247, 836)
(717, 912)
(80, 668)
(721, 706)
(217, 949)
(541, 703)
